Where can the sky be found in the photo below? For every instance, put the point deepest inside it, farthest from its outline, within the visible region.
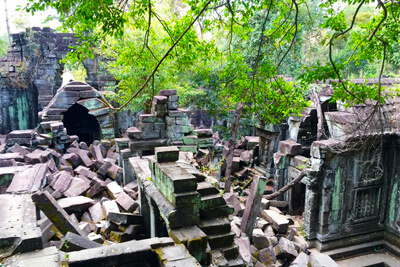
(33, 21)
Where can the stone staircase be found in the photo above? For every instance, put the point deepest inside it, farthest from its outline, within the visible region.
(215, 223)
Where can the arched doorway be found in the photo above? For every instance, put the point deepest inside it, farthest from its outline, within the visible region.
(79, 122)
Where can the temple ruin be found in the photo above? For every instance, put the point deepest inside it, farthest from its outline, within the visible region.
(75, 191)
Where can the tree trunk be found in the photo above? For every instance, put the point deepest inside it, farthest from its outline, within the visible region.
(229, 156)
(286, 187)
(7, 23)
(320, 115)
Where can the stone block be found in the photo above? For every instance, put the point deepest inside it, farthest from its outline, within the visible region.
(167, 92)
(286, 249)
(56, 213)
(126, 202)
(76, 204)
(110, 206)
(180, 112)
(62, 181)
(289, 147)
(166, 154)
(160, 100)
(96, 212)
(172, 105)
(74, 242)
(278, 221)
(203, 132)
(150, 134)
(125, 218)
(190, 140)
(79, 188)
(259, 239)
(92, 103)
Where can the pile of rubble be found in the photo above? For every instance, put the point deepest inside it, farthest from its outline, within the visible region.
(77, 190)
(276, 239)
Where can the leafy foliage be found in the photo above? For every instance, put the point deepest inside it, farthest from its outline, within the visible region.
(237, 50)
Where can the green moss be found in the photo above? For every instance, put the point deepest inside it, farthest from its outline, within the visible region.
(336, 196)
(392, 208)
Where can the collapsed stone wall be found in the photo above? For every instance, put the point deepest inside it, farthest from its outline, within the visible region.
(33, 67)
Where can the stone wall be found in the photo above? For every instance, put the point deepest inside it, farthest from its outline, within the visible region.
(18, 108)
(33, 65)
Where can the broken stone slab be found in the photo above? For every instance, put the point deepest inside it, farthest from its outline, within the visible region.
(301, 260)
(56, 213)
(267, 256)
(244, 248)
(19, 231)
(253, 204)
(15, 156)
(115, 172)
(166, 154)
(170, 92)
(97, 187)
(7, 163)
(124, 218)
(277, 221)
(21, 134)
(126, 253)
(96, 212)
(232, 199)
(77, 189)
(104, 168)
(74, 204)
(28, 181)
(18, 149)
(62, 181)
(74, 242)
(194, 239)
(49, 257)
(289, 147)
(259, 239)
(320, 260)
(126, 202)
(110, 206)
(37, 156)
(286, 249)
(114, 189)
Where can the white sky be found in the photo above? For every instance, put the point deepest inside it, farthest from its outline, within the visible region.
(33, 21)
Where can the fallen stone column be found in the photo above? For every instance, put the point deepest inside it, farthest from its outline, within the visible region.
(56, 214)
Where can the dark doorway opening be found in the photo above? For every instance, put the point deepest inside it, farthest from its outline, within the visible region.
(79, 122)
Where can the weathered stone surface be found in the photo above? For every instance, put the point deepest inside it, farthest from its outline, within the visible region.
(289, 147)
(259, 239)
(267, 256)
(56, 214)
(167, 92)
(74, 242)
(124, 218)
(253, 204)
(96, 212)
(18, 228)
(126, 202)
(78, 203)
(110, 206)
(278, 222)
(244, 248)
(62, 181)
(28, 181)
(301, 260)
(79, 188)
(166, 154)
(114, 189)
(286, 249)
(321, 260)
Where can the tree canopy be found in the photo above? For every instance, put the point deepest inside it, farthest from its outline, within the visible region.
(262, 53)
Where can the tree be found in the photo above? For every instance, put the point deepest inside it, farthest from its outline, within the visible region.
(7, 23)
